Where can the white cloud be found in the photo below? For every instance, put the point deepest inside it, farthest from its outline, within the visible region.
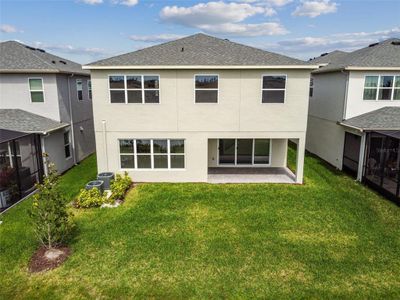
(92, 2)
(313, 46)
(224, 18)
(315, 8)
(157, 38)
(126, 2)
(69, 49)
(276, 3)
(238, 29)
(6, 28)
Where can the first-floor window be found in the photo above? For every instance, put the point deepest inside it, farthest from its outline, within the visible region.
(89, 88)
(67, 144)
(311, 87)
(152, 153)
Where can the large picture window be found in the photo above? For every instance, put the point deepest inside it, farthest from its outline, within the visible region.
(152, 153)
(134, 88)
(206, 89)
(273, 88)
(36, 89)
(383, 87)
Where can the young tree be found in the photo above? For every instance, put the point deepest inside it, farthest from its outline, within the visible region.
(50, 217)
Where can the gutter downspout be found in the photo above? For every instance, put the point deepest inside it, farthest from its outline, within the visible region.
(105, 142)
(71, 119)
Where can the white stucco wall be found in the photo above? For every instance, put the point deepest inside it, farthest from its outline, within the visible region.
(355, 103)
(14, 93)
(239, 114)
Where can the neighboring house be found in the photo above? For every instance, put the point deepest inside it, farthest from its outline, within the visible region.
(47, 95)
(354, 114)
(200, 109)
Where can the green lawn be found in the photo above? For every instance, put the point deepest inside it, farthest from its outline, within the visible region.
(330, 238)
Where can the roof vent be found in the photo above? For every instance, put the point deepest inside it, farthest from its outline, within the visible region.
(63, 62)
(227, 40)
(41, 50)
(374, 44)
(324, 54)
(30, 48)
(183, 49)
(53, 61)
(396, 43)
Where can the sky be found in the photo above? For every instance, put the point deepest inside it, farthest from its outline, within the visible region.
(88, 30)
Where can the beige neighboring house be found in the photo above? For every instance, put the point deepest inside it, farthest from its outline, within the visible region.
(200, 109)
(354, 115)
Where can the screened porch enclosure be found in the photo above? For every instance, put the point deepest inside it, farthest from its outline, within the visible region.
(21, 166)
(382, 163)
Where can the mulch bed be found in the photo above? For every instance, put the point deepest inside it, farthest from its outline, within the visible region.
(39, 262)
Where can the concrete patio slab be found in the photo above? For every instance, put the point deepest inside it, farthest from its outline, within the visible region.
(250, 175)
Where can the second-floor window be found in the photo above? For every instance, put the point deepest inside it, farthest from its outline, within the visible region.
(382, 87)
(273, 88)
(36, 89)
(206, 89)
(134, 88)
(79, 89)
(89, 88)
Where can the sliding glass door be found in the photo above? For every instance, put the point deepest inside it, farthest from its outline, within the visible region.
(244, 152)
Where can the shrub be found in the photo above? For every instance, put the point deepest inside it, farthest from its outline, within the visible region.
(120, 186)
(90, 198)
(50, 218)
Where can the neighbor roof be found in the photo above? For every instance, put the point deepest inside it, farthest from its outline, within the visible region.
(386, 118)
(330, 57)
(21, 120)
(379, 56)
(19, 58)
(198, 50)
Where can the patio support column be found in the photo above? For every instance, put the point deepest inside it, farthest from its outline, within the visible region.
(361, 157)
(301, 146)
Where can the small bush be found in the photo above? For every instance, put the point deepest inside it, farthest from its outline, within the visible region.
(90, 198)
(120, 186)
(49, 215)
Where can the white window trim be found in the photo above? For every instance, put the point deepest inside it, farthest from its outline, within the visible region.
(125, 89)
(89, 83)
(393, 88)
(77, 91)
(42, 90)
(252, 165)
(168, 154)
(68, 144)
(262, 89)
(201, 89)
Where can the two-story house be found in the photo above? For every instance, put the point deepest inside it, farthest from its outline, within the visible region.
(50, 96)
(354, 114)
(200, 109)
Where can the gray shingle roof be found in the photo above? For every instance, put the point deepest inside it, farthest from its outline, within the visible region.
(17, 57)
(199, 50)
(21, 120)
(386, 118)
(330, 57)
(378, 55)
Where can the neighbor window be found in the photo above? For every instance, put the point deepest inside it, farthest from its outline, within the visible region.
(206, 88)
(36, 89)
(79, 89)
(134, 89)
(381, 88)
(152, 154)
(67, 144)
(311, 87)
(89, 88)
(273, 88)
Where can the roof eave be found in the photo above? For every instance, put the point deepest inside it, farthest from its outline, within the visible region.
(351, 68)
(186, 67)
(362, 129)
(22, 71)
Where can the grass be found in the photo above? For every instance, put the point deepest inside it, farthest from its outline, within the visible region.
(329, 238)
